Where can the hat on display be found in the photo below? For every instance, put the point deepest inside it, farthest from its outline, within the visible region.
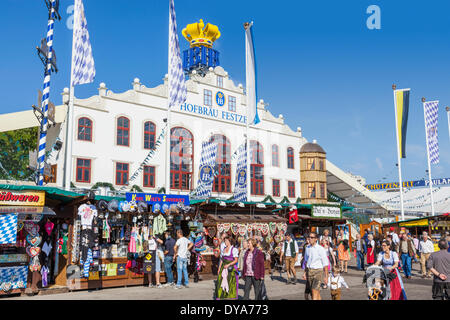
(156, 207)
(121, 205)
(164, 208)
(142, 207)
(133, 206)
(113, 205)
(102, 205)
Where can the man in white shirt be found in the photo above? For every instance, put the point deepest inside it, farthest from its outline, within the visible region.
(182, 246)
(426, 248)
(316, 261)
(290, 252)
(395, 238)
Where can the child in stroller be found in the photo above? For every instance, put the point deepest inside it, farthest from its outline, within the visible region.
(377, 280)
(383, 279)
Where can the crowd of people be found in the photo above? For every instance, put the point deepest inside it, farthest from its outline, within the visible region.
(324, 261)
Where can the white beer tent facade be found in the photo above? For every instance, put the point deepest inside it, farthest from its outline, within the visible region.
(114, 132)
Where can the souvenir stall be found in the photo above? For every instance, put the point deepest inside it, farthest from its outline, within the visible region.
(107, 244)
(436, 226)
(241, 220)
(315, 218)
(34, 223)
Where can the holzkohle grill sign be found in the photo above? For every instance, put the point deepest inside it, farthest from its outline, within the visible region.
(25, 198)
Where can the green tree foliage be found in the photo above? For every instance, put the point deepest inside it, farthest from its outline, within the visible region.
(14, 148)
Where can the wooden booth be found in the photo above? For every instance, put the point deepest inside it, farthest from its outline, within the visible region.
(241, 220)
(34, 229)
(436, 226)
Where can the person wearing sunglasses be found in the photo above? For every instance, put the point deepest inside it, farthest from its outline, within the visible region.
(316, 261)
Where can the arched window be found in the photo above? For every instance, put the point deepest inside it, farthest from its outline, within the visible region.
(290, 158)
(123, 131)
(256, 168)
(84, 129)
(222, 183)
(275, 156)
(149, 135)
(181, 158)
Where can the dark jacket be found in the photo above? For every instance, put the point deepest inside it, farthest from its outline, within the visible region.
(257, 263)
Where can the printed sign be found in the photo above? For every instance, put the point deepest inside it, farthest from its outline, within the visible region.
(408, 184)
(326, 212)
(220, 99)
(158, 201)
(22, 198)
(206, 174)
(416, 223)
(242, 177)
(213, 113)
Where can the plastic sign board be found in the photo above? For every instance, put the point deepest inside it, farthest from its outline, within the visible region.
(158, 201)
(22, 198)
(326, 212)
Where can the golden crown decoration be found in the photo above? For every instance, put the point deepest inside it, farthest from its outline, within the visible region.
(200, 35)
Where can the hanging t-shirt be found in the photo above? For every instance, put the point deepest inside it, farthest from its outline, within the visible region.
(46, 248)
(86, 214)
(152, 245)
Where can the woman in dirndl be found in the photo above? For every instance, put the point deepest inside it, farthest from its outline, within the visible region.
(228, 279)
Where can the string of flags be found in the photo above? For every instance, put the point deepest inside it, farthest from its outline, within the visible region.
(149, 156)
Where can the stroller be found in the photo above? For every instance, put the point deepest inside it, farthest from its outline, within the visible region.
(377, 280)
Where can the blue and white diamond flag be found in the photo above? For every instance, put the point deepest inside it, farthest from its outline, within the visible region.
(177, 84)
(240, 186)
(82, 59)
(8, 228)
(431, 124)
(206, 170)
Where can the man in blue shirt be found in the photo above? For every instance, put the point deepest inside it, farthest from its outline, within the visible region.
(168, 257)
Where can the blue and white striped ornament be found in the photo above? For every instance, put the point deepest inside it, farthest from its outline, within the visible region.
(46, 95)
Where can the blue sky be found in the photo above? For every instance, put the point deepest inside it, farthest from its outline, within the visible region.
(318, 65)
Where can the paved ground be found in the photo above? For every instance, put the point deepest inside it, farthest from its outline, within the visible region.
(416, 289)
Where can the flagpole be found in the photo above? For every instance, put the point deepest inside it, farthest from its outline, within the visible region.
(69, 118)
(428, 158)
(247, 25)
(46, 95)
(448, 120)
(168, 134)
(394, 87)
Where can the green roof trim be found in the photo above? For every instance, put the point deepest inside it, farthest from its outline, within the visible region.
(53, 192)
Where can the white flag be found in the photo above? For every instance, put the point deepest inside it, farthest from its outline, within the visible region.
(82, 59)
(250, 62)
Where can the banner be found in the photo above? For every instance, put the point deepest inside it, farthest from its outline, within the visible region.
(431, 125)
(408, 184)
(326, 212)
(159, 201)
(206, 169)
(416, 223)
(240, 187)
(402, 110)
(22, 198)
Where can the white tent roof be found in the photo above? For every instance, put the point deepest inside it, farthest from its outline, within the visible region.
(416, 200)
(348, 188)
